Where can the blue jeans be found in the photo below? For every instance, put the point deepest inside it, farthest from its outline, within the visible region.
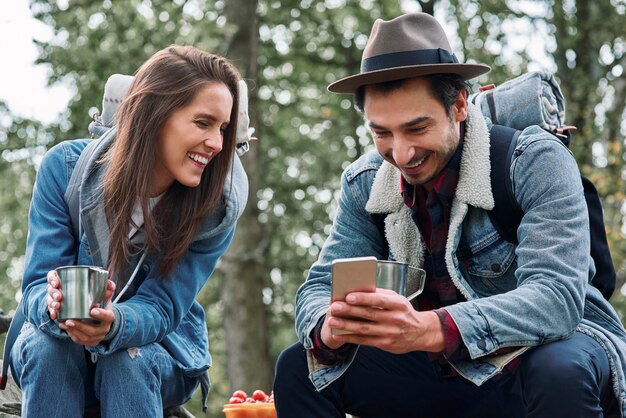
(569, 378)
(58, 379)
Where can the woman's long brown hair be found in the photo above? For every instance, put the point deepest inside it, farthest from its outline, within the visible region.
(168, 81)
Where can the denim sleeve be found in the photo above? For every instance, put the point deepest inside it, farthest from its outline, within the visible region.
(160, 304)
(353, 234)
(50, 241)
(553, 260)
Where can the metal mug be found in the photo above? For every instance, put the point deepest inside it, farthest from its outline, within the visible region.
(82, 287)
(398, 276)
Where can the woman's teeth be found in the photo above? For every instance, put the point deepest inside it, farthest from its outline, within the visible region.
(198, 158)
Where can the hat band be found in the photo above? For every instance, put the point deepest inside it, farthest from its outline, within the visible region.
(408, 58)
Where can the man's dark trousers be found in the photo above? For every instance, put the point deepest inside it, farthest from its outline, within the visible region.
(568, 378)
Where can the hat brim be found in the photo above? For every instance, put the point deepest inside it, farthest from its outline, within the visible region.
(352, 83)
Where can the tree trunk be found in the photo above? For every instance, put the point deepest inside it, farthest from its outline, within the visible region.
(245, 268)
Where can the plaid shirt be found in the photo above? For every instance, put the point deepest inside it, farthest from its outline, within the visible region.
(430, 211)
(431, 214)
(322, 352)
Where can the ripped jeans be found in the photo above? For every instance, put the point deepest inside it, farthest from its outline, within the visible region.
(59, 379)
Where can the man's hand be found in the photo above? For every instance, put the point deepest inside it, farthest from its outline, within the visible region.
(390, 323)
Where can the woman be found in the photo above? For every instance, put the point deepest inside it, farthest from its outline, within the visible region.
(158, 208)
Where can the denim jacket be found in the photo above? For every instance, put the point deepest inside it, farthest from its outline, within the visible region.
(157, 309)
(517, 296)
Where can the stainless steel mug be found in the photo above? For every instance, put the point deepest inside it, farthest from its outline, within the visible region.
(82, 287)
(400, 277)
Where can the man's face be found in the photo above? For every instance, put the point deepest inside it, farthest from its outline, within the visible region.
(412, 131)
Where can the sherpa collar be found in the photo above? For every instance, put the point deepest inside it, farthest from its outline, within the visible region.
(474, 186)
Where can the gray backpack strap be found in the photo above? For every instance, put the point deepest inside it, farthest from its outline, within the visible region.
(72, 193)
(12, 333)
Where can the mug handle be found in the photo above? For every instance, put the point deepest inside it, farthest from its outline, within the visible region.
(418, 276)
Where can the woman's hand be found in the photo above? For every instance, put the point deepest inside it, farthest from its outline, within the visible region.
(92, 332)
(54, 298)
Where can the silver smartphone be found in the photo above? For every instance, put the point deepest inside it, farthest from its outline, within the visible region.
(352, 275)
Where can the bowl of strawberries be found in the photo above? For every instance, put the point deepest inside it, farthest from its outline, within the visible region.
(259, 405)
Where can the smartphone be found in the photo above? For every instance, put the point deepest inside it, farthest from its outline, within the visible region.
(352, 275)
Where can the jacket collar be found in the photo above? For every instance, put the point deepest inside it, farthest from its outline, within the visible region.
(474, 186)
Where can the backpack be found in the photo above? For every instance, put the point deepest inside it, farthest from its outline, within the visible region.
(507, 215)
(533, 98)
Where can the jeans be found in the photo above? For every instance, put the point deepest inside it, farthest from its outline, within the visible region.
(59, 379)
(568, 378)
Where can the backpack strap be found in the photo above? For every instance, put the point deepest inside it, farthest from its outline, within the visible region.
(14, 330)
(72, 193)
(379, 220)
(605, 276)
(507, 214)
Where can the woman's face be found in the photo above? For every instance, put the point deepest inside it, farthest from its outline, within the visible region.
(191, 137)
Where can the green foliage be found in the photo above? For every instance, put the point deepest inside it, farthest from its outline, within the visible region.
(94, 39)
(307, 135)
(591, 60)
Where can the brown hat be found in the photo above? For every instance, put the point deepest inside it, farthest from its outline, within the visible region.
(410, 45)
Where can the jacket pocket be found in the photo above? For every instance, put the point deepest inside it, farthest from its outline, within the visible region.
(491, 268)
(193, 335)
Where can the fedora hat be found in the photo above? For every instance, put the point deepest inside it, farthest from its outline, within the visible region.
(410, 45)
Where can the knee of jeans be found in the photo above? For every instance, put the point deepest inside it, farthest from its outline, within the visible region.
(39, 353)
(549, 369)
(39, 347)
(128, 359)
(291, 364)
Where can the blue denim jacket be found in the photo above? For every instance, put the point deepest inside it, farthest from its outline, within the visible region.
(157, 310)
(517, 296)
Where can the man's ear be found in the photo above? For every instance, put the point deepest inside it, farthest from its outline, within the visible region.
(459, 108)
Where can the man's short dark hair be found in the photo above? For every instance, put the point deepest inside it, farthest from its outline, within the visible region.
(445, 89)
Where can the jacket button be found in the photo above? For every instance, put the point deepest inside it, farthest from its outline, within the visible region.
(146, 267)
(482, 344)
(496, 268)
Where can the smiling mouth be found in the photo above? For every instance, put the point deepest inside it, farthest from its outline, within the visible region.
(199, 158)
(414, 166)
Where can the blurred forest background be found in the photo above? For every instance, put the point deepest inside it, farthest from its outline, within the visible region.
(288, 51)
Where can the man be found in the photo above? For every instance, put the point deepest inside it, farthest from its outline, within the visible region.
(500, 330)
